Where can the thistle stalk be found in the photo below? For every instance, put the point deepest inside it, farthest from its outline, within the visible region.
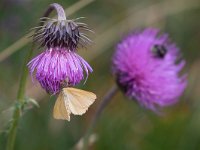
(19, 105)
(107, 98)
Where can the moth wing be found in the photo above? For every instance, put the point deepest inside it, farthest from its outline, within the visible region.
(78, 100)
(61, 110)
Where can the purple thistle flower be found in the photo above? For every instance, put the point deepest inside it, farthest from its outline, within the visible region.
(147, 67)
(57, 67)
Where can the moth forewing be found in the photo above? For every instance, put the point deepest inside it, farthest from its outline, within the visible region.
(87, 97)
(79, 100)
(73, 105)
(60, 110)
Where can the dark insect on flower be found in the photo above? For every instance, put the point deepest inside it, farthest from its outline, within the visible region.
(159, 50)
(61, 32)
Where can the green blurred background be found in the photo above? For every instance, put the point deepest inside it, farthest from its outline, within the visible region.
(123, 125)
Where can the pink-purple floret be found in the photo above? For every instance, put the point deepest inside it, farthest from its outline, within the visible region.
(154, 82)
(56, 66)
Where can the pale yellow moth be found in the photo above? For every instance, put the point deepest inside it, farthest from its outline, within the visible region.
(72, 100)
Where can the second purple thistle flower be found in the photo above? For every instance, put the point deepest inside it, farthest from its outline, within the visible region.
(147, 67)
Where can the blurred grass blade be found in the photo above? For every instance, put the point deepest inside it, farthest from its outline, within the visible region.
(92, 139)
(134, 19)
(14, 47)
(77, 6)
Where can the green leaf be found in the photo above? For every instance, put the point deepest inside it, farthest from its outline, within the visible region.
(32, 102)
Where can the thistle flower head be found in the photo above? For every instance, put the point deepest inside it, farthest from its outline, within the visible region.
(57, 68)
(61, 32)
(147, 67)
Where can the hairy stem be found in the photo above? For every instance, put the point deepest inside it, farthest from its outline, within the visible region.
(58, 8)
(107, 98)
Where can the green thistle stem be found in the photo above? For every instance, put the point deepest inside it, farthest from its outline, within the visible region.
(107, 98)
(21, 92)
(19, 105)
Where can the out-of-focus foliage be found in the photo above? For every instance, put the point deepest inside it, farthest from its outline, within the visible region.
(123, 125)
